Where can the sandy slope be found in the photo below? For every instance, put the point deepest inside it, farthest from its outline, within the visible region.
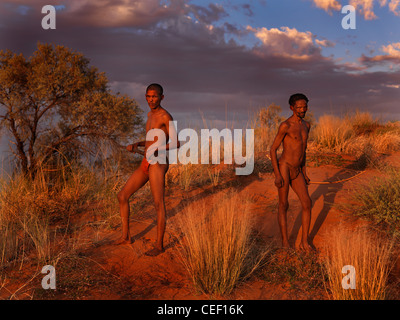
(163, 277)
(132, 275)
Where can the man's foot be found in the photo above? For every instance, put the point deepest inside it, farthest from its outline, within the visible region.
(123, 240)
(306, 247)
(286, 245)
(154, 252)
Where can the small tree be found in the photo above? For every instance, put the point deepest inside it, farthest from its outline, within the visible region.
(270, 117)
(54, 100)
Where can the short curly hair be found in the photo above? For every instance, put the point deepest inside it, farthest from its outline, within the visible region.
(295, 97)
(156, 87)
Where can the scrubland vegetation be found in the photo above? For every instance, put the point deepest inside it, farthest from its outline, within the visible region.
(52, 185)
(218, 247)
(380, 201)
(371, 256)
(36, 215)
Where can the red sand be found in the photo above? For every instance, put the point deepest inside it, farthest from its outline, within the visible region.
(164, 277)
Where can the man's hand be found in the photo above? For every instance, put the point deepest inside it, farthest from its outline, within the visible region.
(306, 178)
(279, 181)
(131, 148)
(134, 148)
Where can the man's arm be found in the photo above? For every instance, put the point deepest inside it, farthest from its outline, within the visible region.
(172, 134)
(134, 147)
(303, 168)
(303, 163)
(274, 158)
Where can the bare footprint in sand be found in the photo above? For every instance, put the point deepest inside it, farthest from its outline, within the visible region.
(154, 252)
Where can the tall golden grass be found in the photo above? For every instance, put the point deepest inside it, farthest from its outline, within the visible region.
(217, 247)
(379, 201)
(369, 254)
(24, 223)
(331, 132)
(355, 133)
(35, 212)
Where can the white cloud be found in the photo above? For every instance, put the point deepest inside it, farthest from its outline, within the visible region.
(328, 5)
(289, 42)
(364, 7)
(392, 55)
(325, 43)
(392, 49)
(394, 6)
(177, 47)
(393, 86)
(116, 13)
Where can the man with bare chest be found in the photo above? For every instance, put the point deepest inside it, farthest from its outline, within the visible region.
(150, 170)
(290, 170)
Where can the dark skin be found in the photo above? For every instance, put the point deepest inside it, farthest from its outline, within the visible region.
(158, 118)
(293, 134)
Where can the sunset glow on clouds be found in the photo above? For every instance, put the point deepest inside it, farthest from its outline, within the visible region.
(392, 55)
(328, 5)
(365, 7)
(235, 54)
(289, 43)
(286, 42)
(392, 50)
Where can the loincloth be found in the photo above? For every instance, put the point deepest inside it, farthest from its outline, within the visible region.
(293, 171)
(144, 166)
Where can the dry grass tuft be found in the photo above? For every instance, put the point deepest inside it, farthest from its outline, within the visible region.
(218, 248)
(369, 254)
(35, 213)
(355, 134)
(379, 201)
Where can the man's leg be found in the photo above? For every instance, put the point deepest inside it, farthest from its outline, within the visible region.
(134, 183)
(157, 185)
(283, 205)
(299, 186)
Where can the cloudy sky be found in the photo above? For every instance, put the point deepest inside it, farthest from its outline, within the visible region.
(222, 60)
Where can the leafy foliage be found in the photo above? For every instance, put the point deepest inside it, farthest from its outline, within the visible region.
(380, 201)
(56, 102)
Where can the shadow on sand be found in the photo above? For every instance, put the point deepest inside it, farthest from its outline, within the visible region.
(328, 194)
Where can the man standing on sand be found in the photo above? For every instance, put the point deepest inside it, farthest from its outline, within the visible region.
(290, 169)
(150, 170)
